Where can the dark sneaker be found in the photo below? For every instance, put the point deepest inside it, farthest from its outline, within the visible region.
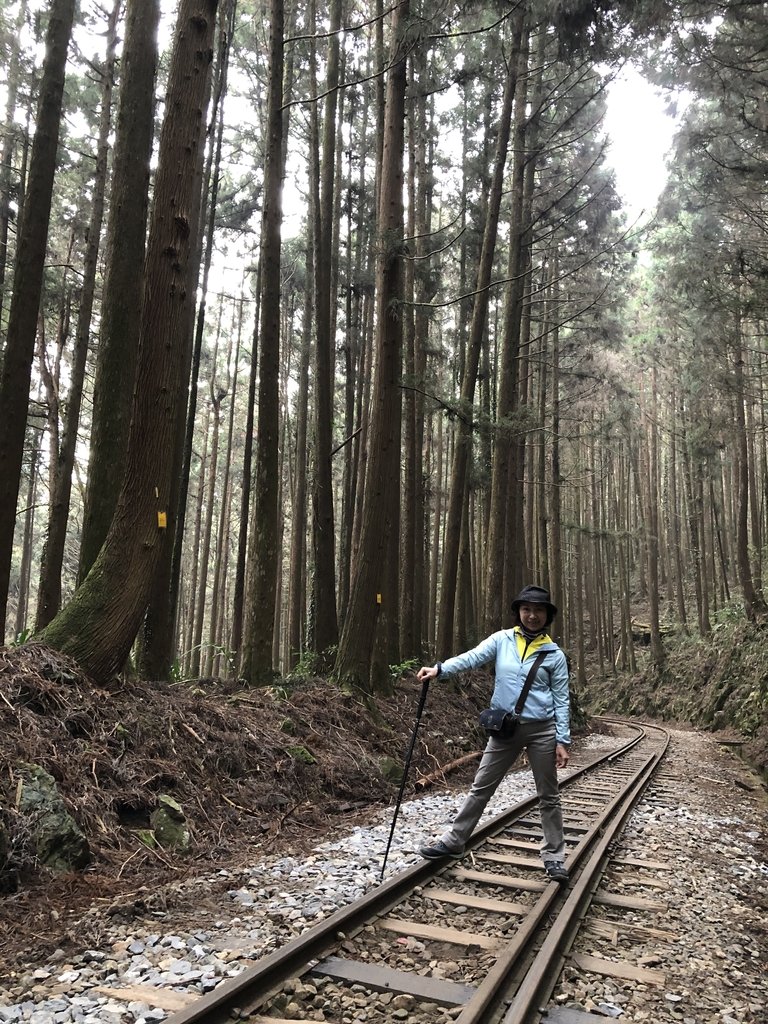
(556, 871)
(438, 850)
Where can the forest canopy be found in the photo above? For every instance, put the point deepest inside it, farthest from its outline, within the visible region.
(323, 330)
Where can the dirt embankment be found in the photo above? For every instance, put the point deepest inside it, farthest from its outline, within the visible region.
(255, 771)
(719, 684)
(275, 769)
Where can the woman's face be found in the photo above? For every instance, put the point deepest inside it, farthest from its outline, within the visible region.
(533, 616)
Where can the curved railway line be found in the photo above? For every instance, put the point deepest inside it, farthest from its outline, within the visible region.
(483, 939)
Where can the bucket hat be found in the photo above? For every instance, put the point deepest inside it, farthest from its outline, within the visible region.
(534, 595)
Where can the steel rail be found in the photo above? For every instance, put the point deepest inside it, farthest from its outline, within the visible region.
(486, 1001)
(253, 986)
(545, 969)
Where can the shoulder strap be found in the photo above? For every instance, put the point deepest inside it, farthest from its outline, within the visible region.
(529, 681)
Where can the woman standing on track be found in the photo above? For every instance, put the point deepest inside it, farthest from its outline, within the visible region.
(543, 728)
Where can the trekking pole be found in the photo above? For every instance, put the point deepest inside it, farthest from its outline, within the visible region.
(407, 765)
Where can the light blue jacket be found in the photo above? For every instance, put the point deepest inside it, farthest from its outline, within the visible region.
(548, 696)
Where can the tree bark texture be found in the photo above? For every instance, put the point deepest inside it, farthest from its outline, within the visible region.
(326, 629)
(382, 490)
(507, 566)
(158, 648)
(27, 282)
(50, 589)
(260, 619)
(124, 276)
(100, 623)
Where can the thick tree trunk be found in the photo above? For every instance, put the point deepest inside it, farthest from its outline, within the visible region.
(505, 566)
(412, 559)
(27, 283)
(410, 486)
(260, 619)
(100, 623)
(382, 491)
(326, 630)
(159, 646)
(49, 593)
(355, 354)
(124, 277)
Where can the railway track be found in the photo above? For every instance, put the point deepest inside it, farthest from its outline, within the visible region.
(483, 939)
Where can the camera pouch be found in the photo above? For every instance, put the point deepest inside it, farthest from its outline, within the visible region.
(502, 724)
(498, 722)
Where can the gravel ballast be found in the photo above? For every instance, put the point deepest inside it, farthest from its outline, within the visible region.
(705, 817)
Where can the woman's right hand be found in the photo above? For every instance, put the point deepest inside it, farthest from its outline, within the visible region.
(427, 672)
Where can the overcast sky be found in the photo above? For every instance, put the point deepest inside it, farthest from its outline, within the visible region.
(641, 134)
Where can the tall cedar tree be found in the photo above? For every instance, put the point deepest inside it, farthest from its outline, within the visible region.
(505, 554)
(123, 282)
(260, 619)
(100, 623)
(28, 282)
(382, 492)
(158, 647)
(326, 630)
(51, 563)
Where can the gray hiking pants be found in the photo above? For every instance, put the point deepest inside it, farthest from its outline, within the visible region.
(538, 739)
